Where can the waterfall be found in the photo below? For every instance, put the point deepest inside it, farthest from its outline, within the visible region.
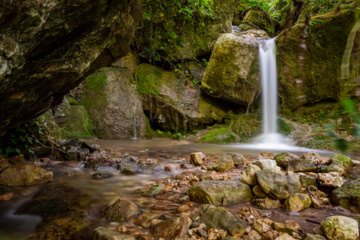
(267, 56)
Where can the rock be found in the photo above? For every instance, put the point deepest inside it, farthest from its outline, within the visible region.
(131, 169)
(347, 195)
(297, 202)
(282, 159)
(238, 158)
(262, 225)
(102, 175)
(232, 73)
(301, 165)
(176, 111)
(305, 79)
(337, 163)
(111, 120)
(77, 154)
(17, 172)
(174, 227)
(252, 235)
(154, 190)
(257, 190)
(266, 164)
(284, 228)
(285, 236)
(266, 155)
(340, 227)
(83, 36)
(267, 203)
(198, 158)
(224, 164)
(344, 160)
(249, 174)
(249, 214)
(103, 233)
(277, 184)
(220, 192)
(220, 218)
(122, 210)
(309, 236)
(313, 156)
(149, 162)
(255, 19)
(331, 179)
(307, 180)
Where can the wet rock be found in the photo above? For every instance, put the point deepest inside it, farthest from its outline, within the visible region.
(98, 159)
(278, 184)
(297, 202)
(224, 164)
(77, 154)
(309, 236)
(220, 192)
(340, 227)
(332, 179)
(347, 195)
(282, 159)
(249, 174)
(153, 191)
(174, 228)
(144, 220)
(235, 79)
(307, 180)
(103, 233)
(183, 208)
(102, 175)
(236, 157)
(198, 158)
(257, 190)
(266, 155)
(267, 203)
(149, 162)
(17, 172)
(122, 210)
(301, 165)
(220, 218)
(266, 164)
(171, 167)
(131, 169)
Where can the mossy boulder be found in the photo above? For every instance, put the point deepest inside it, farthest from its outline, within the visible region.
(220, 218)
(282, 159)
(340, 227)
(224, 164)
(233, 71)
(174, 104)
(348, 195)
(257, 20)
(277, 184)
(310, 60)
(297, 202)
(219, 135)
(110, 98)
(220, 192)
(17, 172)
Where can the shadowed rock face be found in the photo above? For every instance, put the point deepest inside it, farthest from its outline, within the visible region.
(47, 47)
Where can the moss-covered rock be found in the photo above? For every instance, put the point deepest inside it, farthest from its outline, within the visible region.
(110, 98)
(16, 172)
(224, 164)
(220, 192)
(297, 202)
(174, 104)
(233, 71)
(348, 195)
(220, 135)
(257, 20)
(310, 59)
(340, 227)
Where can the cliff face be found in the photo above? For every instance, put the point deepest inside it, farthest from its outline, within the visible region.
(47, 47)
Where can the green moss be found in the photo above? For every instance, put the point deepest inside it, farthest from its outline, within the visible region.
(96, 81)
(285, 128)
(221, 135)
(72, 101)
(344, 160)
(245, 126)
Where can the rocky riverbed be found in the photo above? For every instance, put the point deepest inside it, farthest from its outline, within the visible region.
(146, 194)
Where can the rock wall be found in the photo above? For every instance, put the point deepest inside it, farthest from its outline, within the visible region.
(48, 47)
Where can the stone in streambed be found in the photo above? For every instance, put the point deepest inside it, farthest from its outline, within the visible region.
(278, 184)
(297, 202)
(301, 165)
(282, 159)
(122, 210)
(197, 158)
(102, 175)
(309, 236)
(224, 164)
(249, 174)
(174, 227)
(340, 227)
(347, 195)
(236, 157)
(267, 203)
(103, 233)
(220, 192)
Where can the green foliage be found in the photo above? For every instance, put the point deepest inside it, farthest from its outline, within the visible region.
(284, 127)
(263, 5)
(220, 135)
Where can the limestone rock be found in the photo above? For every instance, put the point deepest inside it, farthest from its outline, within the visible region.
(232, 73)
(347, 195)
(122, 210)
(266, 155)
(285, 236)
(174, 227)
(313, 156)
(249, 174)
(307, 180)
(266, 164)
(282, 159)
(220, 218)
(54, 46)
(337, 163)
(197, 158)
(309, 236)
(302, 165)
(236, 157)
(262, 225)
(340, 227)
(332, 179)
(17, 172)
(278, 184)
(257, 190)
(297, 202)
(267, 203)
(224, 164)
(103, 233)
(220, 192)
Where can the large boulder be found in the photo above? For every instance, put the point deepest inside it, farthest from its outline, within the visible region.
(220, 192)
(277, 184)
(174, 227)
(307, 74)
(174, 104)
(122, 210)
(220, 218)
(348, 195)
(257, 20)
(297, 202)
(47, 48)
(17, 172)
(110, 97)
(340, 227)
(233, 71)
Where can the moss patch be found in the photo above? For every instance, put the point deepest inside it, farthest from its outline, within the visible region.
(221, 135)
